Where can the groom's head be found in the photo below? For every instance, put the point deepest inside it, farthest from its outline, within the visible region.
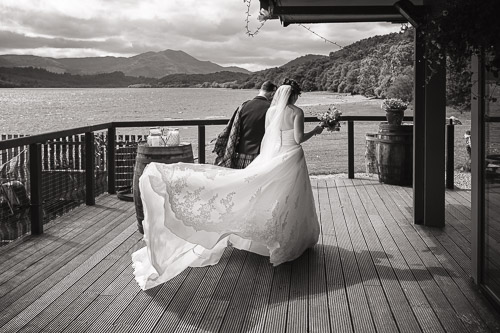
(267, 90)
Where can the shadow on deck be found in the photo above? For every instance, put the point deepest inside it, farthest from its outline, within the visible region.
(372, 271)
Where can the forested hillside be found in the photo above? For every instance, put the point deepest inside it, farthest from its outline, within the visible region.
(380, 66)
(29, 77)
(223, 79)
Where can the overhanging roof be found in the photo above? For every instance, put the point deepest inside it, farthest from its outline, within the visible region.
(326, 11)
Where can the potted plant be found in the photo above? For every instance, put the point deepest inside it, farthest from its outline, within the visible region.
(394, 110)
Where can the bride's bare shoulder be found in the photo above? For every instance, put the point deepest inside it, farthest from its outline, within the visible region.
(296, 110)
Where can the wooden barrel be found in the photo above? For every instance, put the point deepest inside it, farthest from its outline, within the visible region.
(395, 154)
(385, 127)
(371, 153)
(147, 154)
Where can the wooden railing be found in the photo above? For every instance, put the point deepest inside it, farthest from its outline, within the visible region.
(35, 153)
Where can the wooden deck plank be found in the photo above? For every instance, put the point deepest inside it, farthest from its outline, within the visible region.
(88, 316)
(358, 302)
(25, 280)
(233, 320)
(390, 267)
(381, 312)
(318, 312)
(299, 296)
(340, 316)
(92, 283)
(159, 303)
(14, 253)
(28, 241)
(465, 194)
(216, 310)
(179, 303)
(278, 300)
(35, 261)
(31, 290)
(141, 307)
(354, 219)
(399, 284)
(472, 309)
(31, 252)
(193, 315)
(461, 204)
(33, 309)
(426, 278)
(104, 322)
(372, 270)
(256, 314)
(446, 284)
(160, 315)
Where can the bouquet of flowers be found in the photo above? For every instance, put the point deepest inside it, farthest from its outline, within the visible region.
(394, 103)
(331, 119)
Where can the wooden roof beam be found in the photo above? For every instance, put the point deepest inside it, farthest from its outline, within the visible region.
(405, 11)
(413, 14)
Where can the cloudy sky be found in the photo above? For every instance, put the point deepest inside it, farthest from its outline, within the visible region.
(213, 30)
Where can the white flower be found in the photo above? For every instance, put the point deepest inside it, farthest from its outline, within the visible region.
(394, 103)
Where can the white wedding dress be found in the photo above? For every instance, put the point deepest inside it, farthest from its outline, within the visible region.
(193, 211)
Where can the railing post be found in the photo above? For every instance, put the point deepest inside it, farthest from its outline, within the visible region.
(450, 155)
(350, 148)
(89, 169)
(201, 144)
(111, 159)
(35, 165)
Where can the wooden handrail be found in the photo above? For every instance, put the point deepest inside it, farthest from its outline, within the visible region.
(43, 137)
(35, 162)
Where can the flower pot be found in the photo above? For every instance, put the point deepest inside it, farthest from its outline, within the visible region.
(394, 116)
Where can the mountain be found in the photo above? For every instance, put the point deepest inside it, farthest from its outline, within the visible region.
(149, 64)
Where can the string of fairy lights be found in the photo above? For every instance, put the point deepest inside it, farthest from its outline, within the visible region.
(263, 19)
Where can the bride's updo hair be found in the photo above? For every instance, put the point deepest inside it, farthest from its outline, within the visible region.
(296, 90)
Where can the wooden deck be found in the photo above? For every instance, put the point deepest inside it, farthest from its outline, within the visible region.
(372, 271)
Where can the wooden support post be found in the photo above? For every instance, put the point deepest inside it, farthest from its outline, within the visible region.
(350, 148)
(477, 166)
(435, 142)
(111, 147)
(450, 156)
(429, 140)
(35, 165)
(89, 169)
(201, 144)
(418, 129)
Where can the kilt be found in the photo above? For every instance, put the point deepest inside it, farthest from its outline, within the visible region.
(241, 160)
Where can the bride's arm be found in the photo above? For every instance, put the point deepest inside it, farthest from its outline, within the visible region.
(298, 127)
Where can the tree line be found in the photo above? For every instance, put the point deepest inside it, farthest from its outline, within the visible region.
(31, 77)
(380, 66)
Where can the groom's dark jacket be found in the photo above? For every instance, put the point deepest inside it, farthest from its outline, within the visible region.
(252, 125)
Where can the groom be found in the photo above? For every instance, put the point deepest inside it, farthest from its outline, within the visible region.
(239, 143)
(252, 125)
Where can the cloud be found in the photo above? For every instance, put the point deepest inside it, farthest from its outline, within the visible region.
(207, 30)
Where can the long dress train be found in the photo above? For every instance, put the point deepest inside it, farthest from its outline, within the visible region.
(192, 211)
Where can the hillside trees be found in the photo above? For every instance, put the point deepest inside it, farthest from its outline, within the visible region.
(368, 67)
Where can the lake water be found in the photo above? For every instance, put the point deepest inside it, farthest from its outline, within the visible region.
(31, 111)
(34, 111)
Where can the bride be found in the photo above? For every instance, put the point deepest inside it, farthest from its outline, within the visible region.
(194, 211)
